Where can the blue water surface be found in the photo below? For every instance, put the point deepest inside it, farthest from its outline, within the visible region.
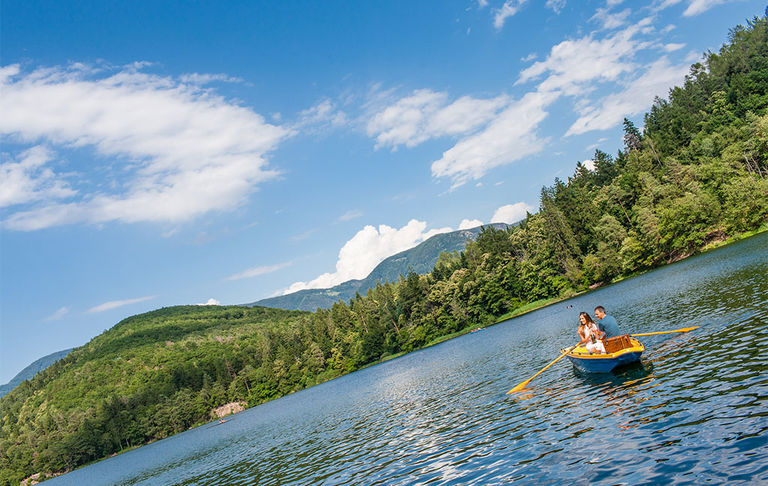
(693, 411)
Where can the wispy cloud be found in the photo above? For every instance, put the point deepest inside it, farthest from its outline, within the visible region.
(196, 78)
(556, 6)
(635, 98)
(350, 215)
(324, 115)
(30, 180)
(57, 315)
(426, 114)
(695, 7)
(509, 9)
(256, 271)
(572, 65)
(118, 303)
(611, 20)
(510, 136)
(175, 151)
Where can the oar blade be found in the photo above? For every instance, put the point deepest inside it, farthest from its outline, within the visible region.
(519, 387)
(686, 329)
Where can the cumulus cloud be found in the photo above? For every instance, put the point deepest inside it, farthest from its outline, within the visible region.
(635, 98)
(211, 302)
(256, 271)
(173, 150)
(369, 247)
(511, 213)
(426, 114)
(118, 303)
(469, 223)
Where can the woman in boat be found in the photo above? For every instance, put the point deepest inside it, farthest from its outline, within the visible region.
(590, 334)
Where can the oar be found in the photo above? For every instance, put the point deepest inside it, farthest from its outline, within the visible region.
(522, 385)
(685, 329)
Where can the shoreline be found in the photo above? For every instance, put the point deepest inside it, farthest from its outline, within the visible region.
(522, 310)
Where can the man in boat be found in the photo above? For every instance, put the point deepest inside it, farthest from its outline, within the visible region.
(606, 324)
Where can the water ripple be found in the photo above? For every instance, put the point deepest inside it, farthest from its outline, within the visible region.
(693, 411)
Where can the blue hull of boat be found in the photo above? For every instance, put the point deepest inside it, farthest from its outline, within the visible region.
(604, 365)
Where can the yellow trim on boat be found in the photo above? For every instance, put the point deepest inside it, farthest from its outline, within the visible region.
(582, 353)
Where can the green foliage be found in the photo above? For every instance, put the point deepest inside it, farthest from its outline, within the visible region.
(698, 172)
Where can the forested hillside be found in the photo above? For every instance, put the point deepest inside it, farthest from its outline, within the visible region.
(697, 173)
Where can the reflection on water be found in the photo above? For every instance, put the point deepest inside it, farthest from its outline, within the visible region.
(692, 411)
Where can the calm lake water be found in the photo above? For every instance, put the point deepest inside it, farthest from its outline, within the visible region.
(695, 410)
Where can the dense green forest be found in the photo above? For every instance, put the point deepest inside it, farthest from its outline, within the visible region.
(696, 174)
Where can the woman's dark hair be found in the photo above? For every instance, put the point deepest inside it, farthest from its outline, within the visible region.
(586, 316)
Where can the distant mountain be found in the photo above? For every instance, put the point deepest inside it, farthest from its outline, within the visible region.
(420, 259)
(33, 369)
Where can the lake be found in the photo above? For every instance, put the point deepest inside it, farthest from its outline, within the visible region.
(694, 410)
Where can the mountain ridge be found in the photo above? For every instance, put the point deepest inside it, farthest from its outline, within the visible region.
(418, 259)
(33, 369)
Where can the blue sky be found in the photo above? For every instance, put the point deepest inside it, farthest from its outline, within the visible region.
(164, 153)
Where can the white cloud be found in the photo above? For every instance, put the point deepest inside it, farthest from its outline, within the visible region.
(323, 115)
(426, 114)
(611, 20)
(557, 6)
(671, 47)
(211, 302)
(511, 213)
(510, 8)
(175, 151)
(499, 131)
(589, 164)
(350, 215)
(469, 223)
(637, 96)
(118, 303)
(482, 3)
(29, 180)
(58, 314)
(509, 137)
(369, 247)
(256, 271)
(572, 64)
(196, 78)
(695, 7)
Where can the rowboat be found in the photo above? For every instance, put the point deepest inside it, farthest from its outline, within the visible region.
(621, 350)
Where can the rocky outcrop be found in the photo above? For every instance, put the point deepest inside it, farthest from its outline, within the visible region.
(227, 409)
